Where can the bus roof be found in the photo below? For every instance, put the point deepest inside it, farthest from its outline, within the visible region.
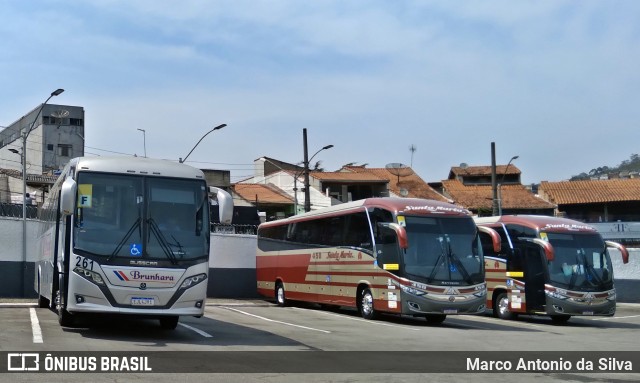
(539, 222)
(409, 206)
(136, 165)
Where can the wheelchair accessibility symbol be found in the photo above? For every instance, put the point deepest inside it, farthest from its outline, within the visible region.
(135, 250)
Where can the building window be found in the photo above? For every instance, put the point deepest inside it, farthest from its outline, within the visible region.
(75, 121)
(64, 150)
(49, 146)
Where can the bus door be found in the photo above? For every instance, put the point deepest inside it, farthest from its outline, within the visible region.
(534, 276)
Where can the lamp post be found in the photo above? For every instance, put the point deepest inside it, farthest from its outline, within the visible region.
(144, 141)
(182, 160)
(500, 184)
(25, 134)
(307, 194)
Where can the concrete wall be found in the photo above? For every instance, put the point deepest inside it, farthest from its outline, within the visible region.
(232, 266)
(232, 263)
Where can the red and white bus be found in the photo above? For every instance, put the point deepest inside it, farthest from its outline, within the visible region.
(396, 255)
(548, 266)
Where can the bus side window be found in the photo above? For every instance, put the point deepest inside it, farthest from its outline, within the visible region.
(387, 247)
(487, 244)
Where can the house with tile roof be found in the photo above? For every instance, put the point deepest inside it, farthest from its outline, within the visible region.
(266, 197)
(409, 185)
(595, 200)
(471, 187)
(350, 183)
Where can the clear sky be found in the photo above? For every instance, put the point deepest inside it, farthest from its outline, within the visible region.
(555, 82)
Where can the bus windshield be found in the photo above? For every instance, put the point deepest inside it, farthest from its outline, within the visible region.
(443, 251)
(141, 217)
(581, 262)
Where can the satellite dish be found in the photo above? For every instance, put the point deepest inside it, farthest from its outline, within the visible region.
(399, 170)
(464, 165)
(61, 113)
(404, 192)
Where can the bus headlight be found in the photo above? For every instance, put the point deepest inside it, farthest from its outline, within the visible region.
(480, 290)
(556, 294)
(412, 291)
(89, 275)
(612, 295)
(192, 281)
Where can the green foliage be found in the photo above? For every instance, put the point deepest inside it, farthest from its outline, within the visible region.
(630, 165)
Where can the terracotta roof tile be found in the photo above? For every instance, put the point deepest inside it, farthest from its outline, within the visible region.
(414, 185)
(264, 193)
(590, 191)
(347, 176)
(514, 196)
(482, 170)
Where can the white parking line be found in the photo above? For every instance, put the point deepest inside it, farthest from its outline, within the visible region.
(35, 326)
(358, 319)
(197, 330)
(276, 321)
(611, 318)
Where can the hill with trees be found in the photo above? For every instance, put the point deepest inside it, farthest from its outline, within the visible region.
(630, 165)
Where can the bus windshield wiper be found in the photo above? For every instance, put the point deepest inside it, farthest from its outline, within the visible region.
(124, 239)
(589, 269)
(164, 244)
(436, 265)
(453, 258)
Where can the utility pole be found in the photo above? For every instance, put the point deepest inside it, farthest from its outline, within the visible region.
(494, 185)
(307, 194)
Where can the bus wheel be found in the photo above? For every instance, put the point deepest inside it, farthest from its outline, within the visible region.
(365, 305)
(501, 307)
(559, 319)
(169, 322)
(64, 317)
(280, 297)
(435, 318)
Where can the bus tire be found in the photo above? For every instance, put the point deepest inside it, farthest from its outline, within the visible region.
(281, 298)
(365, 305)
(559, 319)
(435, 318)
(169, 322)
(64, 317)
(501, 308)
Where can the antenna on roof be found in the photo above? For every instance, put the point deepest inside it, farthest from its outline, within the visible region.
(399, 170)
(412, 149)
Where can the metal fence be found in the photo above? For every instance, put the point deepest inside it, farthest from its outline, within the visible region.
(233, 229)
(15, 210)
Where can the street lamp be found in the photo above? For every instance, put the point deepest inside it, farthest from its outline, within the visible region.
(295, 179)
(25, 134)
(500, 184)
(307, 193)
(144, 141)
(181, 160)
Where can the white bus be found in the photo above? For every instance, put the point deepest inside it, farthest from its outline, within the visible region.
(126, 235)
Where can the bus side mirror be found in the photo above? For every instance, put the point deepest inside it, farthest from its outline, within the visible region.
(401, 233)
(549, 252)
(68, 196)
(225, 204)
(623, 250)
(495, 237)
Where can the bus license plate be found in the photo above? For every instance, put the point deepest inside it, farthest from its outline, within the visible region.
(450, 311)
(142, 302)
